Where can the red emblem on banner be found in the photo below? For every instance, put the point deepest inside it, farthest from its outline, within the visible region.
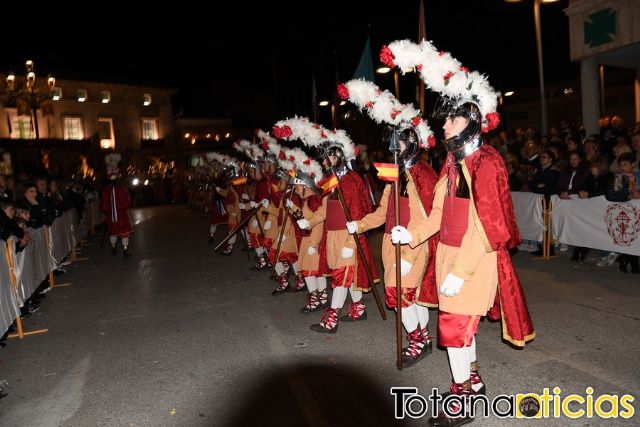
(623, 223)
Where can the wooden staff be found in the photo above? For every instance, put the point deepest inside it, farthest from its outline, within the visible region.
(238, 227)
(284, 208)
(395, 149)
(347, 215)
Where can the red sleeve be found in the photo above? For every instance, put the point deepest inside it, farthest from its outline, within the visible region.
(314, 202)
(425, 179)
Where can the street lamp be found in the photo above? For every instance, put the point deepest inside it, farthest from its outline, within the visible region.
(544, 123)
(29, 98)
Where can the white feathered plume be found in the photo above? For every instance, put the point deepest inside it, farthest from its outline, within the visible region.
(443, 73)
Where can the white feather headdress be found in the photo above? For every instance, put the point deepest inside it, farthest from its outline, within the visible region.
(313, 135)
(383, 107)
(443, 73)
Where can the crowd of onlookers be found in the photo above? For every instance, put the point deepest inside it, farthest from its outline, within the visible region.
(30, 203)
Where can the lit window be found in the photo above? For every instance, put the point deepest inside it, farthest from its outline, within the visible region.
(21, 126)
(105, 133)
(73, 128)
(56, 93)
(105, 96)
(82, 95)
(146, 99)
(149, 129)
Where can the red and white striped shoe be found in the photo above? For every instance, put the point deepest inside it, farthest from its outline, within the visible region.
(418, 347)
(300, 283)
(313, 303)
(283, 285)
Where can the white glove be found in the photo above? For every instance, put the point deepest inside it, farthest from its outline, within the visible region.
(347, 253)
(254, 223)
(253, 204)
(401, 235)
(218, 189)
(352, 227)
(304, 224)
(241, 206)
(245, 197)
(289, 204)
(311, 250)
(284, 237)
(452, 285)
(265, 203)
(405, 268)
(267, 225)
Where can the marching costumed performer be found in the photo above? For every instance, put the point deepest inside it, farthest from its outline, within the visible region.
(217, 214)
(348, 274)
(116, 200)
(473, 211)
(407, 133)
(232, 187)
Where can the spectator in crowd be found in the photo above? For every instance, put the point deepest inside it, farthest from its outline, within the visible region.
(39, 214)
(515, 175)
(592, 147)
(573, 177)
(622, 186)
(9, 227)
(545, 182)
(595, 185)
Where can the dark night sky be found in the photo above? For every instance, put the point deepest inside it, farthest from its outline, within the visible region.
(222, 61)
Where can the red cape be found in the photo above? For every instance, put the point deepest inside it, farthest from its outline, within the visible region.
(359, 205)
(492, 201)
(115, 202)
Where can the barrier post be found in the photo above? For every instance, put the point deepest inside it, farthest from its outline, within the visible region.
(52, 282)
(548, 231)
(20, 333)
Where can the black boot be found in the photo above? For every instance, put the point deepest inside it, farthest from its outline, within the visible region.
(125, 252)
(114, 250)
(624, 261)
(635, 264)
(576, 254)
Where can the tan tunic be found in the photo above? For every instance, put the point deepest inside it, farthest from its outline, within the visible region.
(417, 256)
(471, 261)
(289, 243)
(233, 209)
(336, 240)
(310, 262)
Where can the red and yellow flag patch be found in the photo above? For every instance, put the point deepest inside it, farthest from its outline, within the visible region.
(387, 171)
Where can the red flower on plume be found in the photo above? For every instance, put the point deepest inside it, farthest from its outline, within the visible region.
(431, 141)
(447, 76)
(394, 114)
(312, 174)
(256, 132)
(282, 132)
(264, 145)
(356, 151)
(316, 126)
(416, 121)
(343, 92)
(307, 162)
(493, 120)
(369, 104)
(387, 57)
(292, 159)
(419, 67)
(323, 135)
(282, 156)
(441, 53)
(464, 69)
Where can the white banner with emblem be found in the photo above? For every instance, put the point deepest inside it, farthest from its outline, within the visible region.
(597, 223)
(529, 215)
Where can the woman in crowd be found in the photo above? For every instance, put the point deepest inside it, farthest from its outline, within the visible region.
(572, 178)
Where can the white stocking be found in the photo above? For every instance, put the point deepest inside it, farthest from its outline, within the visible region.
(322, 283)
(125, 242)
(279, 268)
(212, 229)
(410, 318)
(339, 297)
(295, 267)
(459, 363)
(312, 284)
(232, 239)
(472, 350)
(113, 240)
(356, 296)
(260, 251)
(423, 315)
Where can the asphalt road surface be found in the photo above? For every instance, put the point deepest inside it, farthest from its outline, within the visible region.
(178, 335)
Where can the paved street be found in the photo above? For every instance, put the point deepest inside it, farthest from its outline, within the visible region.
(178, 335)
